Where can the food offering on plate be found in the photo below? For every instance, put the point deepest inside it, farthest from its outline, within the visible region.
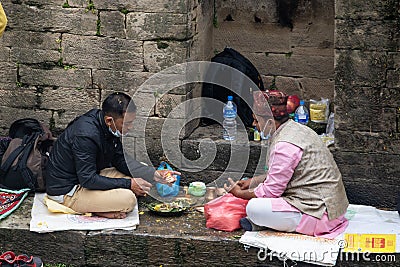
(174, 208)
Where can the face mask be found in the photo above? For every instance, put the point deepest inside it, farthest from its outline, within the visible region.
(117, 133)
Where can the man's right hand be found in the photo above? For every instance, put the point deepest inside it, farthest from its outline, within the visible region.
(140, 186)
(244, 184)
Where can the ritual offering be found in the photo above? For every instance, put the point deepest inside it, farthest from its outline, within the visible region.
(197, 189)
(175, 208)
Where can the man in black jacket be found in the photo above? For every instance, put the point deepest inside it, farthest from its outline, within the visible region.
(88, 172)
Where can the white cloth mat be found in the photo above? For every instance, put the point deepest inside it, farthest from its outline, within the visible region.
(322, 251)
(44, 221)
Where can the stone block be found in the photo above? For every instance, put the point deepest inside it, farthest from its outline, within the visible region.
(251, 37)
(31, 40)
(390, 97)
(151, 26)
(245, 12)
(75, 99)
(8, 75)
(51, 19)
(163, 54)
(293, 65)
(373, 10)
(367, 35)
(174, 6)
(290, 86)
(365, 118)
(375, 168)
(168, 103)
(120, 80)
(62, 117)
(4, 54)
(112, 24)
(372, 142)
(315, 35)
(9, 114)
(317, 88)
(19, 98)
(34, 56)
(102, 53)
(74, 78)
(360, 68)
(394, 60)
(393, 78)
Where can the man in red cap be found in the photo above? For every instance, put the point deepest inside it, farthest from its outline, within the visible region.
(303, 190)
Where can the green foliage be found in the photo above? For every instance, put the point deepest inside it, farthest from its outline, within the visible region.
(289, 54)
(98, 27)
(124, 11)
(66, 4)
(162, 45)
(91, 7)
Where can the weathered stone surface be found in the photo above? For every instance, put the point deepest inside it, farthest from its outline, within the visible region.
(53, 19)
(360, 68)
(390, 97)
(112, 24)
(4, 54)
(145, 103)
(367, 35)
(293, 65)
(8, 75)
(373, 10)
(393, 78)
(375, 167)
(61, 117)
(174, 6)
(9, 114)
(120, 80)
(31, 40)
(317, 88)
(366, 118)
(19, 98)
(168, 103)
(164, 54)
(74, 99)
(75, 78)
(34, 56)
(245, 12)
(288, 85)
(362, 142)
(151, 26)
(253, 39)
(317, 35)
(102, 53)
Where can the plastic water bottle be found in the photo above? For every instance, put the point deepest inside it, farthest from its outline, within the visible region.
(301, 114)
(229, 123)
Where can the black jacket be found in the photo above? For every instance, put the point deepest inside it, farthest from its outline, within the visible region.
(82, 151)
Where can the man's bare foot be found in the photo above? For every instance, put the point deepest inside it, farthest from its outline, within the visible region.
(111, 214)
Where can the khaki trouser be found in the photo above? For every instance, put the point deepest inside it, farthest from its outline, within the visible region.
(86, 200)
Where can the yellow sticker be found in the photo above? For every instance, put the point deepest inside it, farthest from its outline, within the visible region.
(374, 243)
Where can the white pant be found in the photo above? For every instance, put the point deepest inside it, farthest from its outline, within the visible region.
(259, 211)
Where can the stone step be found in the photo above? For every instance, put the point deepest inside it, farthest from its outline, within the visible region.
(157, 241)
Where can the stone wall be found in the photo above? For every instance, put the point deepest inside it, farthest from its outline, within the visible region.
(60, 58)
(367, 88)
(300, 58)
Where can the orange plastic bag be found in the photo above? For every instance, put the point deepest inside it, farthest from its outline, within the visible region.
(224, 212)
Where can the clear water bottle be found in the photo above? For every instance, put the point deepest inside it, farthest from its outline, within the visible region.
(301, 114)
(229, 123)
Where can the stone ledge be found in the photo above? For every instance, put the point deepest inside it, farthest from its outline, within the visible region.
(158, 241)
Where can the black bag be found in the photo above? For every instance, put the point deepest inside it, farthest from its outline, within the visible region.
(234, 59)
(24, 162)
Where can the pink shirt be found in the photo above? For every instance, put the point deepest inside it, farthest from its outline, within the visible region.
(283, 161)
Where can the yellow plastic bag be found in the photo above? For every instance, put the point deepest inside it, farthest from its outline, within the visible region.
(3, 20)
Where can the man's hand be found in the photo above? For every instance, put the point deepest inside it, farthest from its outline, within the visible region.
(237, 191)
(140, 187)
(165, 176)
(244, 184)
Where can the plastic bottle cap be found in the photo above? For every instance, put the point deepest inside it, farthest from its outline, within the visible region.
(301, 102)
(230, 98)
